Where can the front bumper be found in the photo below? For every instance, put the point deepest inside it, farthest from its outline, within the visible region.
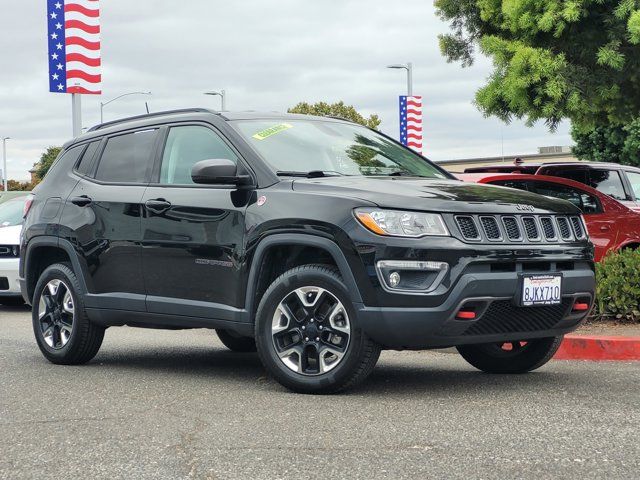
(499, 319)
(9, 271)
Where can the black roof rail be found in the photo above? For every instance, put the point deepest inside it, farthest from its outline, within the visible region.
(150, 115)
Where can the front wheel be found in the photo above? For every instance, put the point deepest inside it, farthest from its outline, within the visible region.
(307, 334)
(511, 357)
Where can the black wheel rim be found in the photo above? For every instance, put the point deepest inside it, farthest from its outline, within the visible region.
(55, 314)
(311, 331)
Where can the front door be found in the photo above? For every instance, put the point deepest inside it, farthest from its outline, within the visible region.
(192, 234)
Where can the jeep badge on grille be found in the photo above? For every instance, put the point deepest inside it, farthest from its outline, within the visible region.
(524, 208)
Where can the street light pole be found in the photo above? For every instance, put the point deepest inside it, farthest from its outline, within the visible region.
(102, 105)
(223, 98)
(4, 162)
(409, 68)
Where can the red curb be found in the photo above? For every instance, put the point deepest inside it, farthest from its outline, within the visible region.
(591, 347)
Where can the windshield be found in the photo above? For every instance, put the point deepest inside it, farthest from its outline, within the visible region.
(11, 212)
(333, 147)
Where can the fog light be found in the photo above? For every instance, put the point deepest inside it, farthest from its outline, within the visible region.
(394, 279)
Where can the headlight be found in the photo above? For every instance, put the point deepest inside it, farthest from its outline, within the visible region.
(400, 223)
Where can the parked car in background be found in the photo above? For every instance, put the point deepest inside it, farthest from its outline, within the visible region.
(611, 224)
(11, 218)
(6, 196)
(620, 182)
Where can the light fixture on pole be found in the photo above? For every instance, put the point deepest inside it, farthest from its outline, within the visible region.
(102, 105)
(223, 98)
(4, 162)
(409, 68)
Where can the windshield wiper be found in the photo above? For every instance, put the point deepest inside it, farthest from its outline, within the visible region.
(401, 173)
(310, 174)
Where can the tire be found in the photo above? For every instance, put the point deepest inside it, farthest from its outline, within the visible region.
(235, 342)
(328, 352)
(63, 331)
(511, 357)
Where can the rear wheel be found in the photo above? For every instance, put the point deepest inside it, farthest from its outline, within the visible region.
(307, 334)
(511, 357)
(61, 327)
(235, 342)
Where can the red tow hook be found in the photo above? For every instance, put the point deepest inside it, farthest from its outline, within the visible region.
(580, 307)
(466, 315)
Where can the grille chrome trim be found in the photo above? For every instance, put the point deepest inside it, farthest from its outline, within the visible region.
(488, 224)
(472, 226)
(550, 233)
(578, 228)
(531, 229)
(564, 228)
(511, 227)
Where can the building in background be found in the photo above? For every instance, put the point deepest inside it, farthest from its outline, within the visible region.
(545, 155)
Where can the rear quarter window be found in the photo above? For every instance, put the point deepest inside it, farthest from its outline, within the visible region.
(127, 158)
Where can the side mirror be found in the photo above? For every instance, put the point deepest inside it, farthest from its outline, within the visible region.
(219, 171)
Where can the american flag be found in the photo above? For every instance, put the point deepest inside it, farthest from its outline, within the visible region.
(74, 46)
(411, 122)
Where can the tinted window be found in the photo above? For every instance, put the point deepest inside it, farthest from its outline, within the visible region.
(608, 182)
(634, 180)
(126, 158)
(187, 146)
(69, 157)
(578, 175)
(86, 163)
(585, 202)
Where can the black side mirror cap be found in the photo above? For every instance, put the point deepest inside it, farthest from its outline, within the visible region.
(218, 171)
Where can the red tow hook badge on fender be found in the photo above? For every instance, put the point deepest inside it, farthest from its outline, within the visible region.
(261, 200)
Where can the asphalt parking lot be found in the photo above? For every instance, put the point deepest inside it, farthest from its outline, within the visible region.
(176, 404)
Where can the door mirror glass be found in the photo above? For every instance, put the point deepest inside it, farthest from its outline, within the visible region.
(219, 171)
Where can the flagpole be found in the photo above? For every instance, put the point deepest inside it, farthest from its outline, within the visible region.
(76, 114)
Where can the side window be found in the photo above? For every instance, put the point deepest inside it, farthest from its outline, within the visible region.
(68, 157)
(575, 174)
(608, 182)
(585, 202)
(186, 146)
(86, 162)
(126, 158)
(634, 180)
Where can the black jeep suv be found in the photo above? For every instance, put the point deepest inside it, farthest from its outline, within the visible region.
(315, 240)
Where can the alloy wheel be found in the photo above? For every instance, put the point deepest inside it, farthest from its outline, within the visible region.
(311, 331)
(55, 314)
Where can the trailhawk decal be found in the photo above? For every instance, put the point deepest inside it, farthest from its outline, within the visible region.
(272, 131)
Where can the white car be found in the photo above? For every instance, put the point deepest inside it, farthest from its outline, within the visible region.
(11, 217)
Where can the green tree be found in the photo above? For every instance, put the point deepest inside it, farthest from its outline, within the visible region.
(46, 160)
(338, 109)
(17, 186)
(618, 143)
(553, 59)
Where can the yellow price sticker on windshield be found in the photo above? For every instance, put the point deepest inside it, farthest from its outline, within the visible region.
(272, 131)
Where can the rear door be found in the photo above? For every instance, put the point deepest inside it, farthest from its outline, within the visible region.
(192, 234)
(102, 216)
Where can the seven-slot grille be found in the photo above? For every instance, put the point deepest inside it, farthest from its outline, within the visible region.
(520, 228)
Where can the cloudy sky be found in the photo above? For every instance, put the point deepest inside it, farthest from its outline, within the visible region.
(267, 55)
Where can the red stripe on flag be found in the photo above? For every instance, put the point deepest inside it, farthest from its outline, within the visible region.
(417, 136)
(83, 90)
(78, 57)
(82, 26)
(413, 111)
(83, 43)
(83, 75)
(73, 7)
(410, 144)
(413, 103)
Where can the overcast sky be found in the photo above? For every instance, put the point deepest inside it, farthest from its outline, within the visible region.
(267, 55)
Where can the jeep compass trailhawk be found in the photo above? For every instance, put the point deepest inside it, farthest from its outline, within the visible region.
(316, 241)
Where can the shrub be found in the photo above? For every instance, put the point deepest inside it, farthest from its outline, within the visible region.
(618, 286)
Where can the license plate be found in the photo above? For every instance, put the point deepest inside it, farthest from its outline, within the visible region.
(541, 290)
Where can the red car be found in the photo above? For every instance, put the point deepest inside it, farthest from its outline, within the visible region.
(611, 225)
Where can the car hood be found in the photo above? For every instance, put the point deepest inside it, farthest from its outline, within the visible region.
(10, 235)
(435, 195)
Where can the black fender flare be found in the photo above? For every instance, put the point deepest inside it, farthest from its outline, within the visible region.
(61, 244)
(299, 239)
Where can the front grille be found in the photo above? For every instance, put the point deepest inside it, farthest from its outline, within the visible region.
(531, 228)
(577, 227)
(512, 228)
(468, 227)
(548, 228)
(502, 316)
(563, 226)
(490, 227)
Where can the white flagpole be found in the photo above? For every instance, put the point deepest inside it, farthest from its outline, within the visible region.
(76, 114)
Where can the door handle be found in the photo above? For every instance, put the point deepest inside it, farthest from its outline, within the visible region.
(159, 205)
(81, 201)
